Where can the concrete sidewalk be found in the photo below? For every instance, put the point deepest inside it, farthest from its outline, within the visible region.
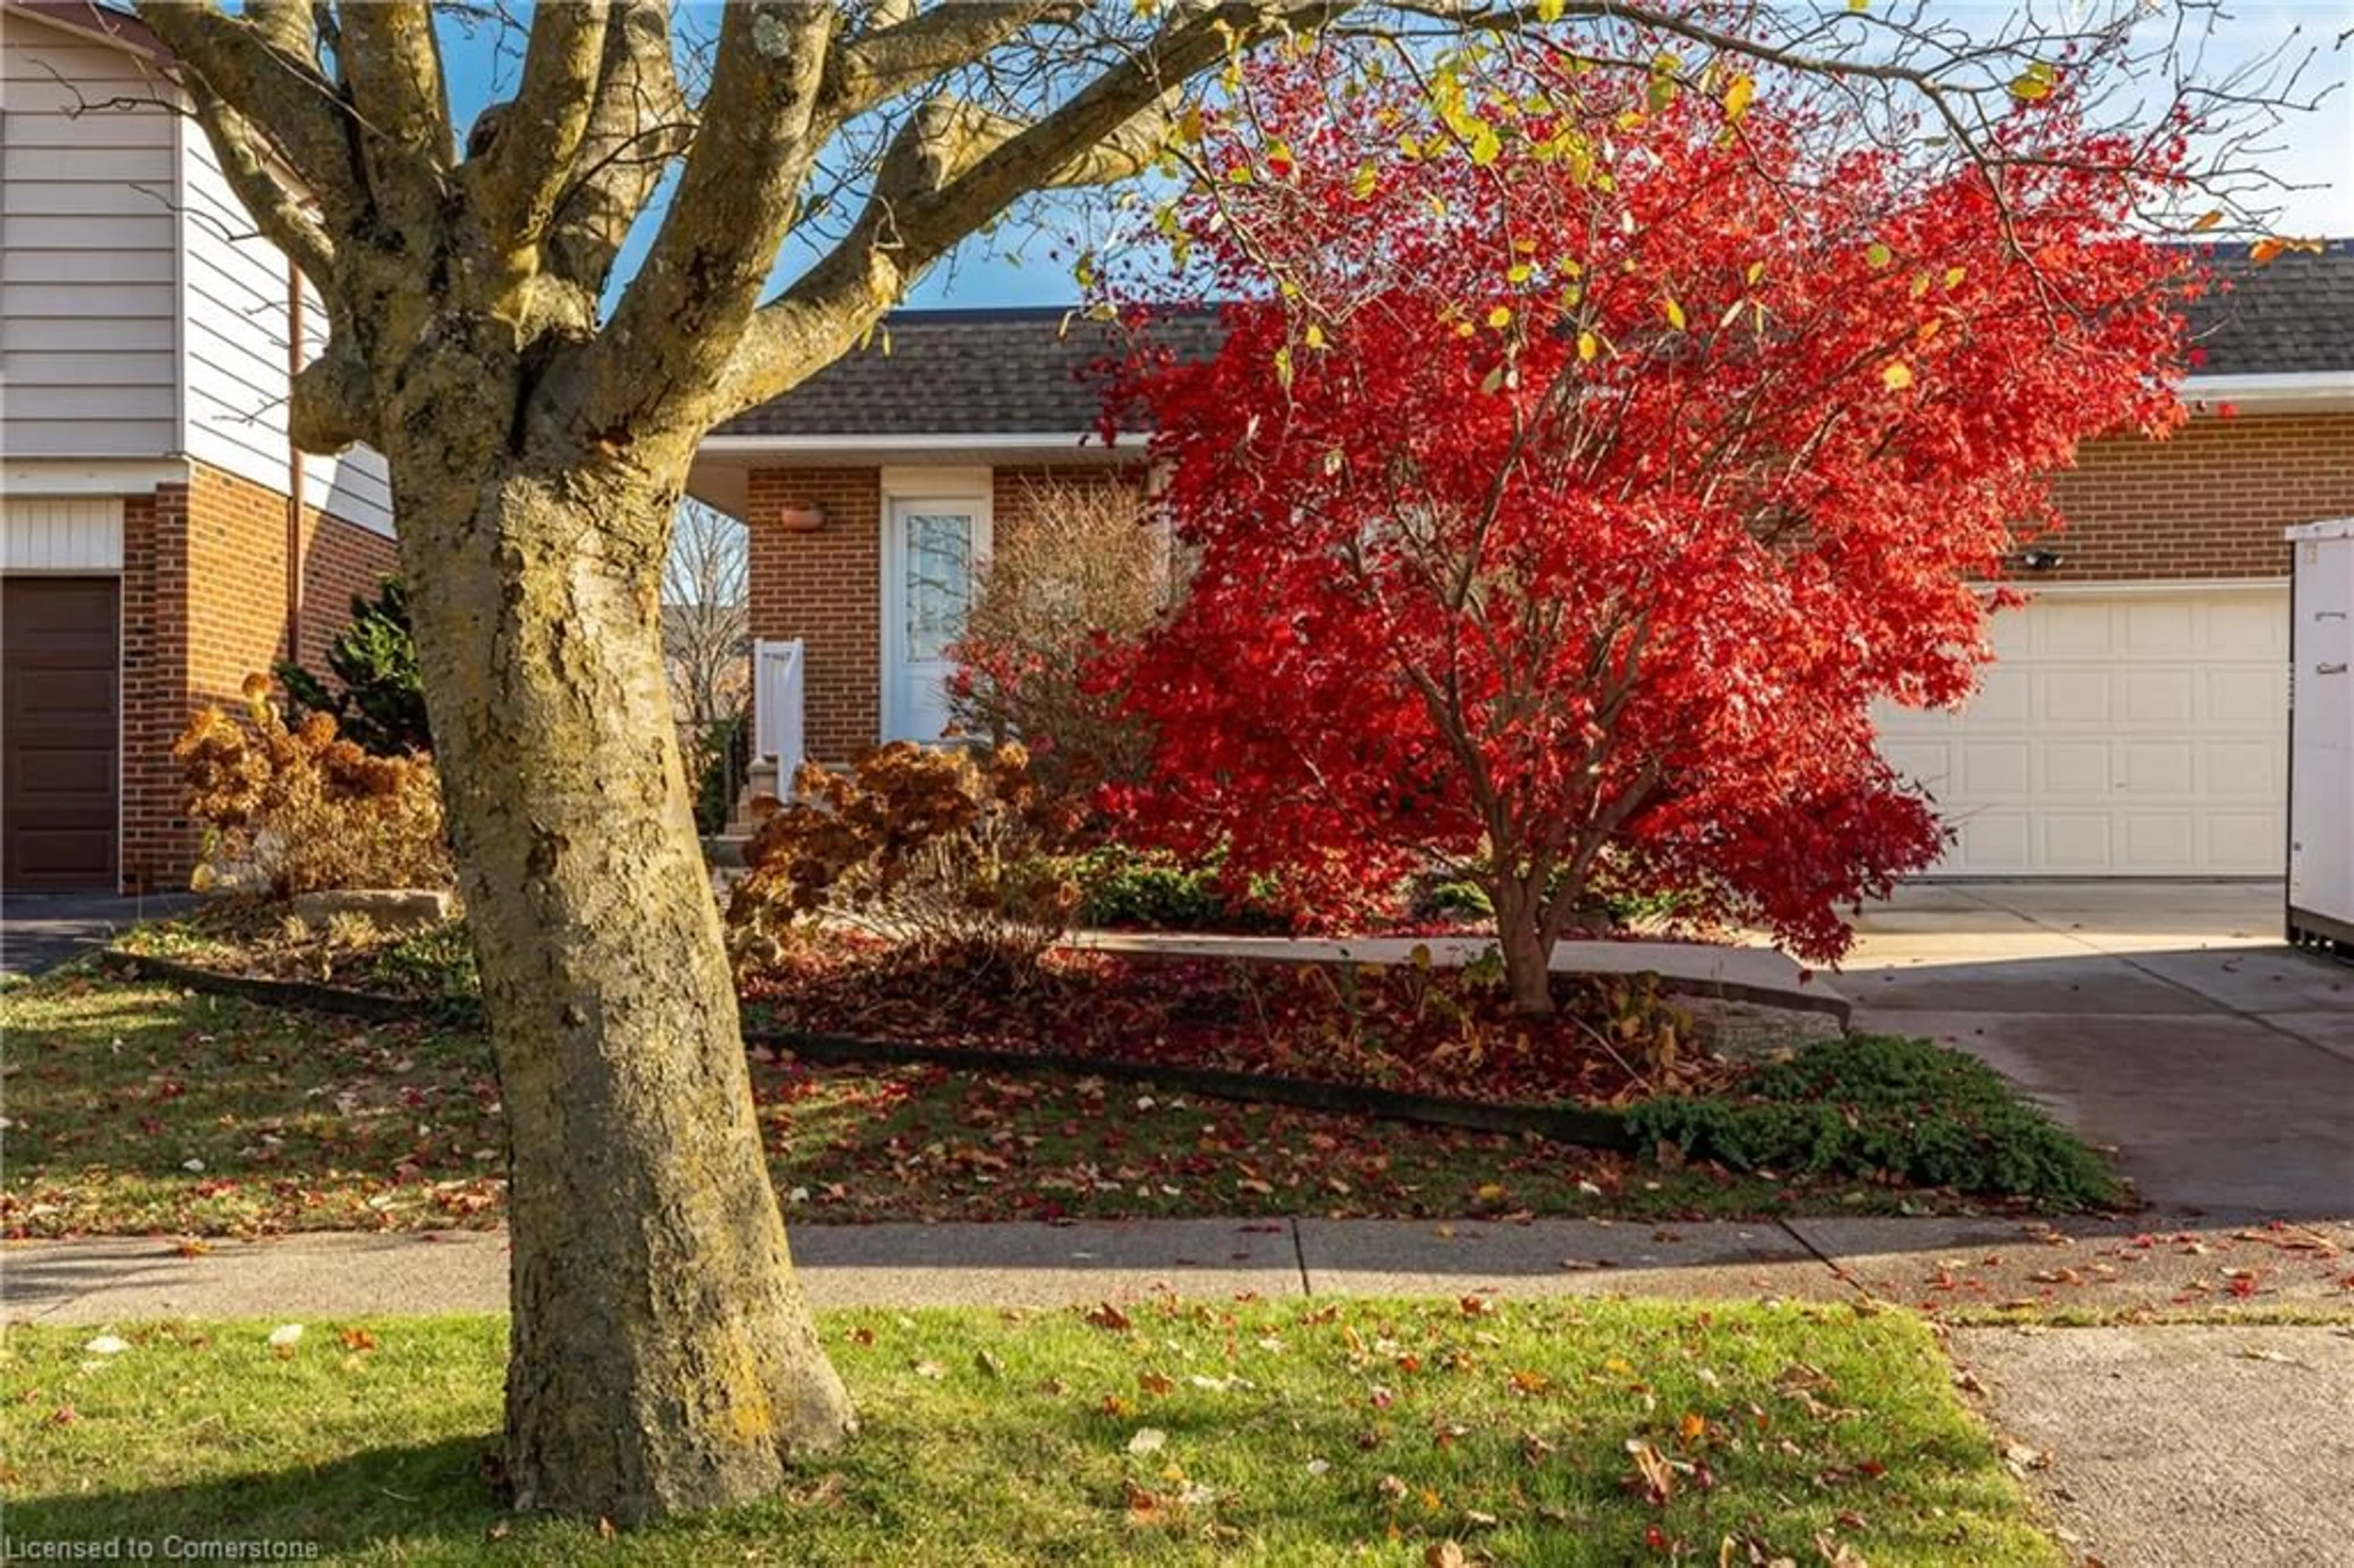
(1936, 1265)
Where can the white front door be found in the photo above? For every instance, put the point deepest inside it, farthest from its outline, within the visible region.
(2140, 731)
(932, 553)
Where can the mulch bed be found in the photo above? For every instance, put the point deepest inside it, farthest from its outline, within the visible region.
(1409, 1029)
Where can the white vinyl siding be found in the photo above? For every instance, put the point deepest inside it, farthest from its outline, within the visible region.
(234, 287)
(88, 295)
(61, 533)
(352, 484)
(2140, 731)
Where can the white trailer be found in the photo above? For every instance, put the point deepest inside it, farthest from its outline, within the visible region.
(2321, 738)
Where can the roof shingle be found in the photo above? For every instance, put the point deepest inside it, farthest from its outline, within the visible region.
(1034, 371)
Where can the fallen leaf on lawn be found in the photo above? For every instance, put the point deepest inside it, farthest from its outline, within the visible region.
(1443, 1554)
(988, 1365)
(1693, 1426)
(1148, 1440)
(1837, 1554)
(1156, 1383)
(107, 1345)
(357, 1340)
(932, 1370)
(1106, 1316)
(1652, 1469)
(1317, 1467)
(285, 1337)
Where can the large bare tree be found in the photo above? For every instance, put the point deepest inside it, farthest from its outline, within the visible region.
(538, 426)
(706, 586)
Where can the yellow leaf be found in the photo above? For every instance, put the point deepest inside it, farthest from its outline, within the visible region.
(1189, 124)
(1930, 329)
(1879, 255)
(2035, 83)
(1897, 375)
(1674, 312)
(1757, 271)
(1283, 368)
(1520, 273)
(1953, 276)
(1858, 7)
(1315, 336)
(1737, 94)
(1486, 145)
(1550, 10)
(1501, 317)
(2207, 220)
(1588, 346)
(1362, 184)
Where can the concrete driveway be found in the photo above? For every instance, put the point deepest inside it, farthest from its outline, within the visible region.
(40, 931)
(2166, 1018)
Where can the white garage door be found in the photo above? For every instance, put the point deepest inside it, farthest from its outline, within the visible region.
(2119, 734)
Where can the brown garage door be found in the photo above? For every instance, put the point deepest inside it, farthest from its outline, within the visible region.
(57, 732)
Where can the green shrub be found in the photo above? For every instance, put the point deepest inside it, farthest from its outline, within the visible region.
(1881, 1106)
(436, 960)
(1148, 890)
(378, 698)
(721, 751)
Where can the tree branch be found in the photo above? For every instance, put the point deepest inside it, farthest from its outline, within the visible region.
(520, 177)
(638, 121)
(954, 167)
(282, 99)
(886, 61)
(393, 66)
(246, 161)
(675, 326)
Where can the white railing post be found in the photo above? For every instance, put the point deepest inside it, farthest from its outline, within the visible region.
(777, 707)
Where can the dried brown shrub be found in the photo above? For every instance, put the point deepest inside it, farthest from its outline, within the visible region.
(955, 856)
(290, 810)
(1081, 580)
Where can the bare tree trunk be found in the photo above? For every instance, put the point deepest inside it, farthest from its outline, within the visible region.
(663, 1356)
(1523, 937)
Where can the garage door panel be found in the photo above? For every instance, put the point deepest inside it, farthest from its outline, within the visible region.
(1996, 839)
(2062, 627)
(2075, 842)
(2138, 733)
(2159, 844)
(2159, 768)
(2074, 697)
(2077, 768)
(2157, 628)
(2160, 696)
(1995, 770)
(58, 719)
(2241, 771)
(2005, 696)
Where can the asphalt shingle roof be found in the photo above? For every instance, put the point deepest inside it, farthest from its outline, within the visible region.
(1029, 371)
(2293, 315)
(1034, 371)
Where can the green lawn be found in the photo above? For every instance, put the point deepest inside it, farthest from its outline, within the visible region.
(135, 1108)
(1370, 1432)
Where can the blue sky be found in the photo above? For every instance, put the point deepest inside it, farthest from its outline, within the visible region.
(1018, 265)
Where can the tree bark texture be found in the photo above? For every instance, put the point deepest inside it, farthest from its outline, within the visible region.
(663, 1356)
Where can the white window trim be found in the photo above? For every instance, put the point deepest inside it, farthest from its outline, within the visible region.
(974, 488)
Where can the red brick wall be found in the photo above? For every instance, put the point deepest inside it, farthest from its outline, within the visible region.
(824, 587)
(2209, 502)
(158, 846)
(203, 606)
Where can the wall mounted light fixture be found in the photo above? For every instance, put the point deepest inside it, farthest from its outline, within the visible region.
(2038, 560)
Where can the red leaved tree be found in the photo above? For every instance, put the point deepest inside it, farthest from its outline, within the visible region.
(1596, 446)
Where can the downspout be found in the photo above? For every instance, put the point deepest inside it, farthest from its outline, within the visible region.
(294, 470)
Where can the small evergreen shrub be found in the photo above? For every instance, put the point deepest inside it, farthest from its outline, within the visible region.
(1881, 1105)
(378, 698)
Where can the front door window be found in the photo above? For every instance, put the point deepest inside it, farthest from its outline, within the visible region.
(934, 554)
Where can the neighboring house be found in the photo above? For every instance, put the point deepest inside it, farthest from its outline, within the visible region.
(162, 539)
(2133, 726)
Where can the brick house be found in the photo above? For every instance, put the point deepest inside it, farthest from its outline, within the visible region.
(2133, 725)
(162, 539)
